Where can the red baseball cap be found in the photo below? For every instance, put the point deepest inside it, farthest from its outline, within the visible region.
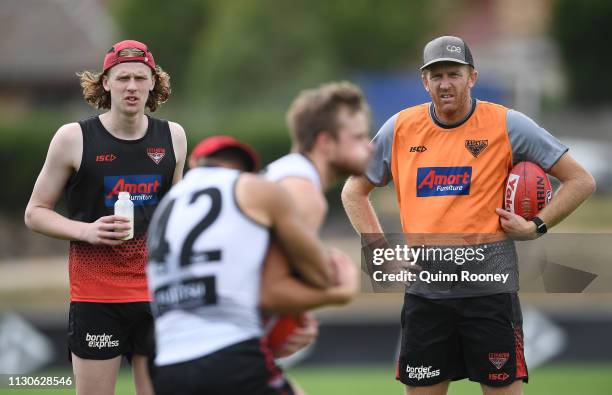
(214, 144)
(120, 53)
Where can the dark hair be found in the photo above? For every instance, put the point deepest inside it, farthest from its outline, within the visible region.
(315, 110)
(231, 154)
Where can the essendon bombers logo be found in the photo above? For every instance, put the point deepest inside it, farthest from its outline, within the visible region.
(476, 146)
(156, 154)
(499, 359)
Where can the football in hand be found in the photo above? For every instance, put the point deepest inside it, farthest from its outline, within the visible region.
(528, 190)
(280, 329)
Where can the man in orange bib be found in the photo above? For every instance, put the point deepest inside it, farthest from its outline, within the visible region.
(449, 160)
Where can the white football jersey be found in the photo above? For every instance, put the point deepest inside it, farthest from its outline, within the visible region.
(204, 270)
(292, 165)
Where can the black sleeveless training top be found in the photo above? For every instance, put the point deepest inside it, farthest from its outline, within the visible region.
(109, 165)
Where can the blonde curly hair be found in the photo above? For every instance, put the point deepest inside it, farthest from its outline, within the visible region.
(95, 95)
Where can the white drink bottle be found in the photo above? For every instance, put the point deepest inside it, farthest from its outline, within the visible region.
(125, 208)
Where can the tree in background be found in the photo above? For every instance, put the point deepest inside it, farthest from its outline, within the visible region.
(377, 35)
(259, 51)
(169, 28)
(582, 29)
(243, 51)
(267, 50)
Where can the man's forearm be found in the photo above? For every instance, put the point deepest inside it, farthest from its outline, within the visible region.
(569, 196)
(50, 223)
(358, 207)
(291, 296)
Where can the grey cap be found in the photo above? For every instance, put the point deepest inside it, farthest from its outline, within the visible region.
(447, 49)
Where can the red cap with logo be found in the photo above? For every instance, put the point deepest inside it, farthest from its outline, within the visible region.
(214, 144)
(128, 51)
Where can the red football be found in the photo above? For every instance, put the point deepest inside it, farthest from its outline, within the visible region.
(282, 327)
(528, 190)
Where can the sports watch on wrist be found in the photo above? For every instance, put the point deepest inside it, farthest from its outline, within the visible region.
(540, 225)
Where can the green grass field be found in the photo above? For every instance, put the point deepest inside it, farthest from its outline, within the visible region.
(553, 380)
(561, 379)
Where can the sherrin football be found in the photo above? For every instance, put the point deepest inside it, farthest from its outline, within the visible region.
(528, 190)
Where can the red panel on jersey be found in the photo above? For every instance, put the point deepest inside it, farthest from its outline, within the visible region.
(108, 274)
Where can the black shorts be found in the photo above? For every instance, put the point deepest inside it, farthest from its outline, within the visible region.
(107, 330)
(242, 368)
(479, 338)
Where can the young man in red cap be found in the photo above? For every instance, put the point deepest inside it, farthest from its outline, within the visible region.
(93, 160)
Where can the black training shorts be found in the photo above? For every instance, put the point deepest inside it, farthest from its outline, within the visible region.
(107, 330)
(242, 368)
(480, 338)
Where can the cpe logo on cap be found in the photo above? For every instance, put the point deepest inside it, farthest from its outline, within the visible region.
(453, 48)
(447, 49)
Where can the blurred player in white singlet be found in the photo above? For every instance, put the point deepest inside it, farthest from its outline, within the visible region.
(208, 241)
(344, 287)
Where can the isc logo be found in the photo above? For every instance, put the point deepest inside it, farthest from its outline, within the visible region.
(442, 181)
(420, 148)
(105, 158)
(498, 376)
